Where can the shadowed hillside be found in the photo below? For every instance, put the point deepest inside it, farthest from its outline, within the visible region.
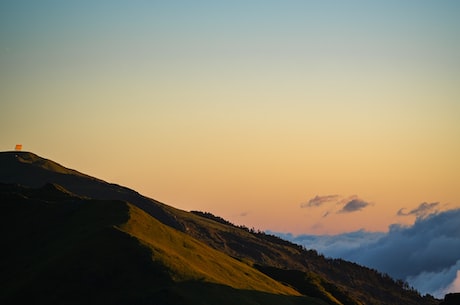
(64, 231)
(28, 169)
(63, 249)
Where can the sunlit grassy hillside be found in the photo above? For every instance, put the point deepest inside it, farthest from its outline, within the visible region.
(189, 259)
(59, 249)
(81, 240)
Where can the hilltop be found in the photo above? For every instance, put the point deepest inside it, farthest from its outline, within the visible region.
(72, 238)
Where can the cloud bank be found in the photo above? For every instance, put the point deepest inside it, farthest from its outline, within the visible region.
(426, 254)
(339, 245)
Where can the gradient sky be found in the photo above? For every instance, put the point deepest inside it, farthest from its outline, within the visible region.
(246, 109)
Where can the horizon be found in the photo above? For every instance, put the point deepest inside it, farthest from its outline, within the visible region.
(298, 117)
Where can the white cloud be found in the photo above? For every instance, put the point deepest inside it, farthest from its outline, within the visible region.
(425, 281)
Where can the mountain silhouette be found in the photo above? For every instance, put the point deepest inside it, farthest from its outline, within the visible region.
(70, 239)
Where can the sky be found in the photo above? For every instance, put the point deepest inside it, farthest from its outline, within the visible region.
(302, 117)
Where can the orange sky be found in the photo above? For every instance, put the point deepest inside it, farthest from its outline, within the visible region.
(246, 110)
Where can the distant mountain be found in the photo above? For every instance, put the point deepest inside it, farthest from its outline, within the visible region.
(71, 238)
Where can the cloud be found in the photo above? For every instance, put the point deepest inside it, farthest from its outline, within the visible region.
(350, 204)
(319, 200)
(354, 205)
(426, 254)
(443, 279)
(423, 210)
(334, 245)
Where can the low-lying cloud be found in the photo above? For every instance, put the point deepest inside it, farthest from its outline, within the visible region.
(334, 245)
(426, 254)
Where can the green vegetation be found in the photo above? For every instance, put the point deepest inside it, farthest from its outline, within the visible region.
(189, 259)
(64, 249)
(346, 282)
(79, 240)
(67, 251)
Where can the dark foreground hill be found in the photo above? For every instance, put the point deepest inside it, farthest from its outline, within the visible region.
(72, 239)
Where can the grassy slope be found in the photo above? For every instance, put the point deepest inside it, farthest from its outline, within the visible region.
(75, 251)
(189, 259)
(359, 283)
(67, 251)
(333, 280)
(30, 170)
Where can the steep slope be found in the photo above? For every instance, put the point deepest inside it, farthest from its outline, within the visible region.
(64, 249)
(188, 259)
(60, 248)
(28, 169)
(333, 281)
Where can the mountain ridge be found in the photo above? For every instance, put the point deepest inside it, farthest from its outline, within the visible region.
(59, 245)
(305, 271)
